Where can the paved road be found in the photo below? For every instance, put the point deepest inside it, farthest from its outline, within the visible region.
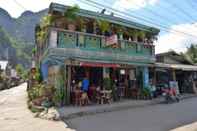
(152, 118)
(15, 116)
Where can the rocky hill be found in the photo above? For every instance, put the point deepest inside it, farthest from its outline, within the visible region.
(17, 34)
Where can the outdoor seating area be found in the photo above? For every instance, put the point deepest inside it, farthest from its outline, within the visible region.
(80, 98)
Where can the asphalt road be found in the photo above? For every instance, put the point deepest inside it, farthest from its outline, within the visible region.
(162, 117)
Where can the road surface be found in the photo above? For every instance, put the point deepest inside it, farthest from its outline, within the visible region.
(160, 117)
(14, 115)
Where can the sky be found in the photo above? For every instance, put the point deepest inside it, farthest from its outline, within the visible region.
(177, 19)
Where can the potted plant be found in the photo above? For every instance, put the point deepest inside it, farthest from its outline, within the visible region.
(104, 26)
(142, 35)
(71, 16)
(134, 34)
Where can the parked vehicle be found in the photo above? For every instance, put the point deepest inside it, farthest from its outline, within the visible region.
(170, 95)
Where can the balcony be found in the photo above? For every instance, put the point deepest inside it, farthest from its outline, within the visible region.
(68, 44)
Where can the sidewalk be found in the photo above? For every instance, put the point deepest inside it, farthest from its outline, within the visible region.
(70, 112)
(189, 127)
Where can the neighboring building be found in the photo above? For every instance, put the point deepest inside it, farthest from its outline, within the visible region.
(78, 48)
(171, 66)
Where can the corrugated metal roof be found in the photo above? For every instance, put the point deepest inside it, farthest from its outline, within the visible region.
(177, 66)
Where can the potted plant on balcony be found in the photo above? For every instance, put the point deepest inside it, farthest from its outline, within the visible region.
(134, 33)
(142, 35)
(103, 25)
(71, 16)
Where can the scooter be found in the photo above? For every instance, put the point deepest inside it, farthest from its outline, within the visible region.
(170, 96)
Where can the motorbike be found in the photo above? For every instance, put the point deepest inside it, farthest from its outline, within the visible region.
(170, 96)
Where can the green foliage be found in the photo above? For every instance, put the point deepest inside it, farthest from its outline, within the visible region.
(71, 13)
(145, 92)
(19, 69)
(142, 34)
(107, 83)
(41, 35)
(59, 91)
(46, 21)
(134, 33)
(191, 54)
(103, 25)
(35, 92)
(21, 52)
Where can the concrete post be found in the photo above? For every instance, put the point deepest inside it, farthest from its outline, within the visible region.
(145, 77)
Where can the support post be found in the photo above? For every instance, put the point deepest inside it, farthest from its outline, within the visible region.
(68, 84)
(173, 75)
(145, 77)
(154, 76)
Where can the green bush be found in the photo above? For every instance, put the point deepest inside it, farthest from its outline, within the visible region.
(145, 92)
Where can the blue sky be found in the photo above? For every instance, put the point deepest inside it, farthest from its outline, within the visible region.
(175, 15)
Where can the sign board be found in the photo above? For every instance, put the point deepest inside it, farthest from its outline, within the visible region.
(111, 40)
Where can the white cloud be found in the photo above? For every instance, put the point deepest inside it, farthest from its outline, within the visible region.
(133, 4)
(177, 41)
(15, 9)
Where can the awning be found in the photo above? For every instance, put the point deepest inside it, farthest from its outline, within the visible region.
(96, 64)
(177, 66)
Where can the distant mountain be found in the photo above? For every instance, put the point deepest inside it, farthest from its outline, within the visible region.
(13, 51)
(17, 35)
(21, 28)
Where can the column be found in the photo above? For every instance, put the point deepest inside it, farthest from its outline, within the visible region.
(154, 76)
(173, 75)
(68, 83)
(145, 77)
(44, 71)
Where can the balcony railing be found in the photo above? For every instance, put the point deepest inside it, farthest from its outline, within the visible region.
(60, 38)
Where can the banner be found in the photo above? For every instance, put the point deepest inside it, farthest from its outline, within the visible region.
(111, 40)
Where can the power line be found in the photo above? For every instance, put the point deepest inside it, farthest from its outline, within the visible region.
(164, 28)
(19, 4)
(183, 11)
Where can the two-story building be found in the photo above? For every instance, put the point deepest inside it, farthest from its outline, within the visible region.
(79, 43)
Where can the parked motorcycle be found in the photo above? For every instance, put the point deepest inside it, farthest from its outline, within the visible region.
(170, 95)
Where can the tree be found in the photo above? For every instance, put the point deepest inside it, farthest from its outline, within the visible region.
(191, 54)
(19, 69)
